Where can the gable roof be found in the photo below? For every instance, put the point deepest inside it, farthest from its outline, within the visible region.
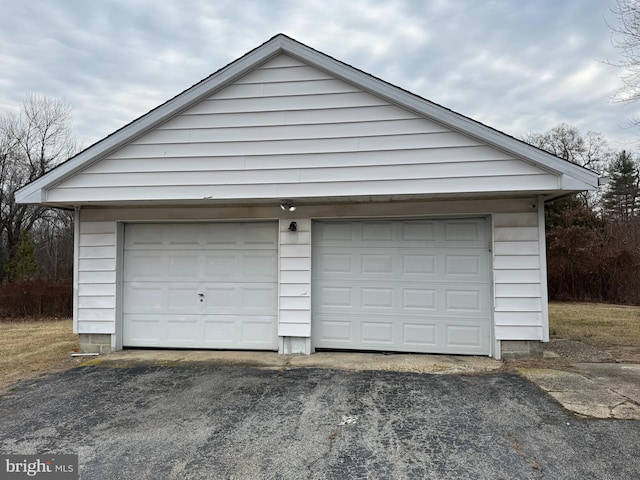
(572, 177)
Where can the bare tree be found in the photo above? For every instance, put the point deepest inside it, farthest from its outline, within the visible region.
(590, 150)
(31, 142)
(626, 38)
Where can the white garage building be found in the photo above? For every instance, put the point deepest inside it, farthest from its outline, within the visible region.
(291, 202)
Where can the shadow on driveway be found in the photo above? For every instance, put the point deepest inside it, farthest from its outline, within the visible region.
(248, 423)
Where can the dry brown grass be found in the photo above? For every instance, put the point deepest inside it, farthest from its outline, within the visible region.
(31, 348)
(596, 324)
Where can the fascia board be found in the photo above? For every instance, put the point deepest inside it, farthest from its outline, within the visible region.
(568, 182)
(30, 193)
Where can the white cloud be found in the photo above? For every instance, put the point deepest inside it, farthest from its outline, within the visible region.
(517, 66)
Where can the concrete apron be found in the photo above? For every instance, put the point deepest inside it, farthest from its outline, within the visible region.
(597, 390)
(436, 364)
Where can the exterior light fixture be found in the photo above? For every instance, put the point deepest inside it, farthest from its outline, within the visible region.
(288, 206)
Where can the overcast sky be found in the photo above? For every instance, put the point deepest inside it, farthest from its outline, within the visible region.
(517, 65)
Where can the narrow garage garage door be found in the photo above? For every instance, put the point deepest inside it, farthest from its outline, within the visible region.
(402, 285)
(200, 285)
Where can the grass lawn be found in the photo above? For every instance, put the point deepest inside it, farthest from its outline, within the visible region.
(595, 324)
(30, 348)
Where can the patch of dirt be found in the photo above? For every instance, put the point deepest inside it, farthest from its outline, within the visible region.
(561, 353)
(578, 352)
(624, 354)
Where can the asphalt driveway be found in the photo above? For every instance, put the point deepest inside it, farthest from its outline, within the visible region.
(247, 423)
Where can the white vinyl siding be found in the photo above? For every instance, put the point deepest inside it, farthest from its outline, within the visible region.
(96, 271)
(518, 277)
(290, 130)
(518, 297)
(295, 279)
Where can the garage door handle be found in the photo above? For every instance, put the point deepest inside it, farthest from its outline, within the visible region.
(201, 295)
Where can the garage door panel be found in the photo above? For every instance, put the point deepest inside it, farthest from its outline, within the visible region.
(410, 263)
(418, 335)
(377, 231)
(467, 265)
(258, 235)
(187, 235)
(258, 298)
(419, 231)
(185, 267)
(471, 299)
(260, 266)
(330, 232)
(222, 265)
(334, 296)
(144, 236)
(233, 265)
(144, 267)
(463, 231)
(201, 285)
(376, 264)
(419, 299)
(404, 285)
(334, 263)
(403, 298)
(239, 237)
(182, 298)
(376, 298)
(230, 298)
(377, 333)
(216, 238)
(414, 334)
(182, 331)
(258, 331)
(220, 331)
(418, 264)
(151, 297)
(464, 336)
(337, 332)
(219, 298)
(145, 329)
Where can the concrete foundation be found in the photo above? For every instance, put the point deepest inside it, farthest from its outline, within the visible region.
(94, 342)
(295, 345)
(519, 349)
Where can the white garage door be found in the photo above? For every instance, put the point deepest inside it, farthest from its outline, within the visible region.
(402, 285)
(201, 285)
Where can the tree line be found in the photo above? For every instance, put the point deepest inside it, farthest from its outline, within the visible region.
(593, 238)
(36, 243)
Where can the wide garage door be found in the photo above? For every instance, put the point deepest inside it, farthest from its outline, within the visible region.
(402, 285)
(200, 285)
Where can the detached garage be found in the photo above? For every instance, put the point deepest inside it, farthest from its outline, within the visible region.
(291, 202)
